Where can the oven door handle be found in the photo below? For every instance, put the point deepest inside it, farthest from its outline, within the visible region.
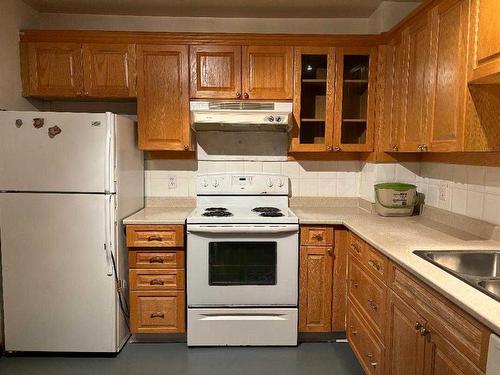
(242, 229)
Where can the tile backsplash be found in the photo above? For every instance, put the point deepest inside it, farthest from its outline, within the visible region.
(307, 178)
(473, 191)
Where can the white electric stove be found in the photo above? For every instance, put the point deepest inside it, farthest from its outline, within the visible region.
(242, 262)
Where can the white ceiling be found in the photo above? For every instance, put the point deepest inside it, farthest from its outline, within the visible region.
(216, 8)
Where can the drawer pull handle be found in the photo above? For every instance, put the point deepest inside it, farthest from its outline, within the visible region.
(369, 355)
(354, 283)
(156, 260)
(372, 304)
(373, 364)
(156, 282)
(154, 238)
(157, 315)
(353, 330)
(355, 248)
(375, 264)
(318, 237)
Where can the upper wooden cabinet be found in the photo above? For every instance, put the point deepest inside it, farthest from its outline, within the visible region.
(448, 76)
(314, 82)
(109, 70)
(215, 72)
(163, 97)
(73, 70)
(355, 99)
(485, 42)
(52, 69)
(249, 72)
(267, 72)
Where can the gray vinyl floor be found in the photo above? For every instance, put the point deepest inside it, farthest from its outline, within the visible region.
(170, 358)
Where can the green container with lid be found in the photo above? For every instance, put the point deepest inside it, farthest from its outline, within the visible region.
(395, 199)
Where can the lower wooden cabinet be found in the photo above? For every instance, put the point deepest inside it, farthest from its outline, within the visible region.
(398, 325)
(157, 279)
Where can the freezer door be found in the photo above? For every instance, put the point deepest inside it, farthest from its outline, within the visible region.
(58, 283)
(34, 158)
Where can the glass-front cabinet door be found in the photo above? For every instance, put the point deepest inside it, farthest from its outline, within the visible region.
(313, 99)
(354, 102)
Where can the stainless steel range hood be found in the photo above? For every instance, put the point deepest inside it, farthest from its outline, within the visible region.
(239, 116)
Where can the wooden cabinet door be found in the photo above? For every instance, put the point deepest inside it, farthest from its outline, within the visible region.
(315, 295)
(412, 127)
(163, 97)
(313, 99)
(267, 72)
(485, 42)
(109, 70)
(55, 70)
(355, 99)
(442, 358)
(448, 70)
(215, 71)
(405, 344)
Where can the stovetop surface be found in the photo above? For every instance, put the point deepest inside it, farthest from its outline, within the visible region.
(236, 215)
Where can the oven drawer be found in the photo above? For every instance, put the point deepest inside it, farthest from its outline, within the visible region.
(242, 327)
(140, 279)
(155, 235)
(156, 259)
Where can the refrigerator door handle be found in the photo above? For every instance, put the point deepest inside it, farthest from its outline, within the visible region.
(109, 261)
(108, 246)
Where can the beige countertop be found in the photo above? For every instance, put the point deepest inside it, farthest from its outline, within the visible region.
(397, 238)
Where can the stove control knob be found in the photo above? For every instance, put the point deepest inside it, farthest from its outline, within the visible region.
(280, 183)
(278, 118)
(204, 183)
(270, 118)
(215, 183)
(270, 183)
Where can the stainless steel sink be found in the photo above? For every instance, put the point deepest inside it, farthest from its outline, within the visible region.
(481, 269)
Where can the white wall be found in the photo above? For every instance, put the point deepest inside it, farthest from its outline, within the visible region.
(388, 14)
(14, 16)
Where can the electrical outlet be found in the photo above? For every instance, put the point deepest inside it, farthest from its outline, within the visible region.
(444, 189)
(172, 182)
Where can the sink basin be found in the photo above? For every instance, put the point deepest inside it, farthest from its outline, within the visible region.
(473, 263)
(492, 286)
(480, 269)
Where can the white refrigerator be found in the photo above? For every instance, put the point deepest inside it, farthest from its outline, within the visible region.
(66, 182)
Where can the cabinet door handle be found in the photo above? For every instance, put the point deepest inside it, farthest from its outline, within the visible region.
(154, 238)
(424, 332)
(157, 315)
(374, 264)
(156, 282)
(238, 95)
(418, 326)
(395, 148)
(330, 252)
(354, 283)
(156, 260)
(246, 96)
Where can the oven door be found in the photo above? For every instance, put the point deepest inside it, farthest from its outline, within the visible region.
(242, 265)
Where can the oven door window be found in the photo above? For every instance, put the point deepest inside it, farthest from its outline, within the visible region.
(242, 263)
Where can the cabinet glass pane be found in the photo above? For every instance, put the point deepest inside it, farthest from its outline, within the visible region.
(313, 99)
(355, 99)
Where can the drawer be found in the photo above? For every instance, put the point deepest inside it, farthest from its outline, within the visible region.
(155, 235)
(311, 235)
(140, 279)
(157, 312)
(464, 332)
(375, 262)
(369, 295)
(356, 246)
(156, 259)
(368, 350)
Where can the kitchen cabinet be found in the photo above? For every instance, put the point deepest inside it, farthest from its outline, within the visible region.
(163, 97)
(157, 278)
(413, 329)
(415, 92)
(355, 99)
(313, 100)
(215, 72)
(484, 56)
(248, 72)
(52, 69)
(448, 73)
(109, 70)
(78, 70)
